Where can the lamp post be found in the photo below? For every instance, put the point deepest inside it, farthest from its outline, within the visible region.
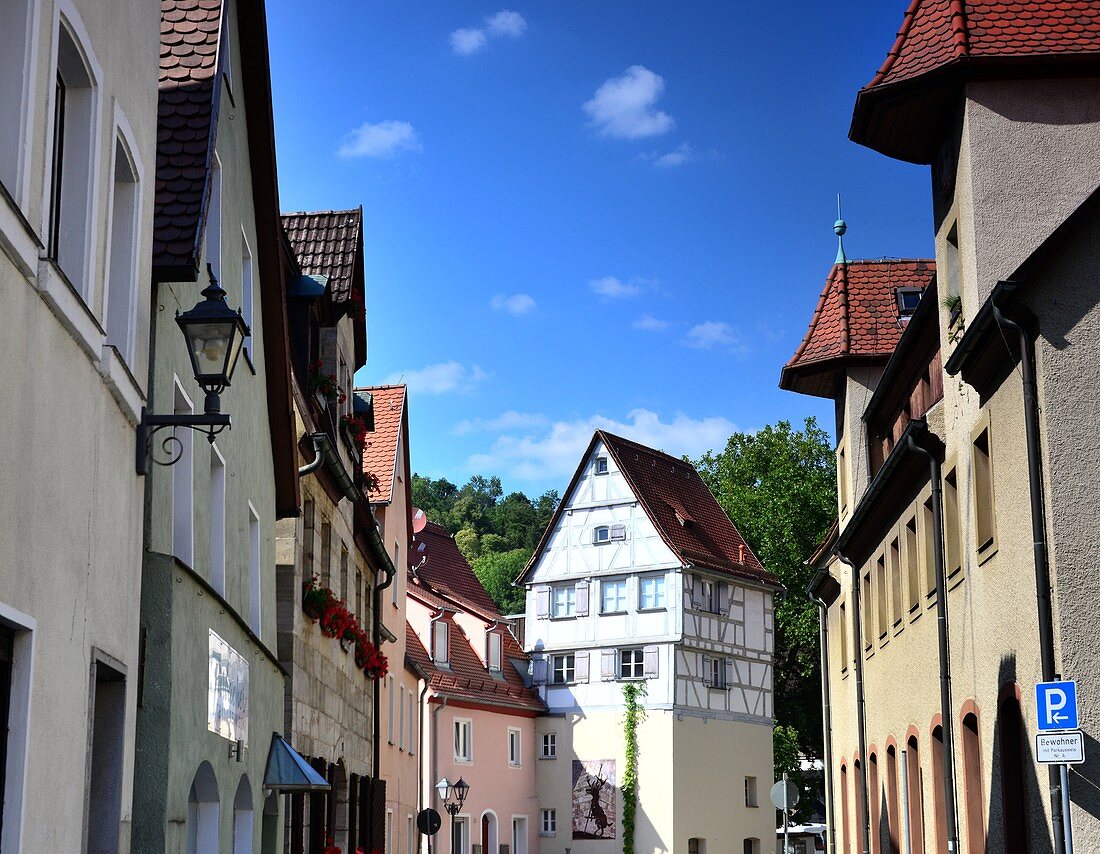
(214, 333)
(453, 796)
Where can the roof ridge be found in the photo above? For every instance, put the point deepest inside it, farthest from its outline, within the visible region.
(644, 448)
(380, 387)
(325, 212)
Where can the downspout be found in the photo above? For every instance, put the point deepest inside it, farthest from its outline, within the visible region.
(420, 746)
(946, 709)
(1042, 559)
(861, 718)
(318, 456)
(378, 549)
(435, 743)
(823, 616)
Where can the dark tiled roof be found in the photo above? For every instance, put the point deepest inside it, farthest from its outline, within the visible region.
(685, 512)
(380, 453)
(190, 31)
(856, 316)
(936, 32)
(447, 573)
(327, 243)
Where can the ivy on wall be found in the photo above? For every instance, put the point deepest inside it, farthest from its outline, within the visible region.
(634, 715)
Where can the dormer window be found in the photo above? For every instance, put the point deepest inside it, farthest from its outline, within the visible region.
(439, 642)
(601, 465)
(493, 652)
(908, 300)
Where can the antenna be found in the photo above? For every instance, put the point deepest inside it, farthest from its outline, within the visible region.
(839, 228)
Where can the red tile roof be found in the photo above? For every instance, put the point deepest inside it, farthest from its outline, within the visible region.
(447, 573)
(856, 320)
(328, 243)
(190, 31)
(380, 453)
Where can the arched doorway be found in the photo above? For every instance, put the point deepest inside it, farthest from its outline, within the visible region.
(490, 837)
(1014, 775)
(269, 833)
(203, 812)
(243, 816)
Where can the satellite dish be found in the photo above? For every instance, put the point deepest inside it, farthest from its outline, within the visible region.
(420, 520)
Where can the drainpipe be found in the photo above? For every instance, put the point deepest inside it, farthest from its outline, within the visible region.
(823, 617)
(861, 718)
(946, 709)
(1042, 562)
(378, 549)
(435, 744)
(318, 455)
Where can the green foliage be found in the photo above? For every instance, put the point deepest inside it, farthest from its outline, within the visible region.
(779, 487)
(785, 750)
(634, 714)
(486, 522)
(496, 571)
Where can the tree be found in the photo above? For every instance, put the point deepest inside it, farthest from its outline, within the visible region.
(779, 487)
(468, 543)
(496, 571)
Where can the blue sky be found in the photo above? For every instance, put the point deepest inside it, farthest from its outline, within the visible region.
(584, 214)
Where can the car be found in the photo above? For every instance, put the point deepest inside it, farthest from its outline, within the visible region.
(802, 839)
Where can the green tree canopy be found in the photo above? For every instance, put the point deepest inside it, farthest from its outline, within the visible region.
(496, 571)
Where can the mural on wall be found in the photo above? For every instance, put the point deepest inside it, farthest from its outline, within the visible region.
(594, 791)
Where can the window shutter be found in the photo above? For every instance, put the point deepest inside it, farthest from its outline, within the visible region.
(696, 592)
(608, 664)
(582, 598)
(542, 602)
(727, 666)
(580, 664)
(651, 662)
(723, 598)
(706, 670)
(538, 671)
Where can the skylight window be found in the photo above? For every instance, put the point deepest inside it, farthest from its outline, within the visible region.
(908, 300)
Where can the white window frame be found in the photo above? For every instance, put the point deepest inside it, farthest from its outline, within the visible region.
(519, 834)
(124, 340)
(412, 722)
(401, 717)
(566, 668)
(707, 589)
(600, 465)
(247, 294)
(751, 792)
(622, 601)
(462, 730)
(717, 673)
(494, 656)
(389, 700)
(19, 723)
(255, 607)
(441, 642)
(515, 747)
(389, 831)
(601, 535)
(463, 826)
(410, 835)
(637, 662)
(660, 594)
(549, 746)
(218, 511)
(566, 606)
(19, 46)
(548, 822)
(183, 481)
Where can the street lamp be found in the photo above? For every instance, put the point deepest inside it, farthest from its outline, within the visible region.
(453, 796)
(214, 333)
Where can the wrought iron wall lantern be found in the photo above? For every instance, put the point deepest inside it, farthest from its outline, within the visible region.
(215, 334)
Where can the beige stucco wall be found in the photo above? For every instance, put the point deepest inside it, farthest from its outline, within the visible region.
(70, 503)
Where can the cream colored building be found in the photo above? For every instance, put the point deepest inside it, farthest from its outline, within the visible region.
(642, 579)
(966, 462)
(76, 224)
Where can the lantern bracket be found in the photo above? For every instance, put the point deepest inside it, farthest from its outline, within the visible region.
(210, 423)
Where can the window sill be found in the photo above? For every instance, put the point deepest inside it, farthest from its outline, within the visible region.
(70, 308)
(17, 238)
(563, 617)
(542, 758)
(654, 610)
(987, 553)
(514, 765)
(463, 761)
(124, 387)
(612, 613)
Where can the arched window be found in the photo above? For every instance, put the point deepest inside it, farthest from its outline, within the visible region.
(1010, 741)
(939, 797)
(861, 822)
(916, 796)
(892, 798)
(203, 812)
(875, 804)
(269, 832)
(123, 261)
(972, 780)
(242, 818)
(845, 828)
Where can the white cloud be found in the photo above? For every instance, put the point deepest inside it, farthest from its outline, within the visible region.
(613, 288)
(556, 452)
(384, 139)
(506, 23)
(441, 378)
(467, 41)
(713, 333)
(625, 107)
(506, 421)
(516, 304)
(680, 155)
(649, 323)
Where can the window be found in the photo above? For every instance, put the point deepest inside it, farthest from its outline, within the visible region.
(972, 783)
(549, 822)
(565, 601)
(613, 596)
(844, 834)
(651, 594)
(843, 637)
(865, 611)
(564, 669)
(601, 465)
(896, 581)
(706, 589)
(246, 291)
(916, 801)
(410, 835)
(715, 672)
(912, 564)
(214, 220)
(439, 642)
(389, 700)
(122, 265)
(951, 533)
(494, 641)
(344, 592)
(203, 812)
(892, 818)
(908, 300)
(217, 520)
(462, 835)
(308, 533)
(389, 831)
(183, 494)
(105, 777)
(254, 581)
(929, 530)
(549, 746)
(953, 270)
(880, 590)
(515, 754)
(72, 161)
(326, 552)
(602, 534)
(939, 799)
(984, 525)
(14, 74)
(393, 584)
(401, 717)
(842, 476)
(519, 835)
(751, 845)
(750, 792)
(412, 722)
(463, 728)
(631, 664)
(359, 596)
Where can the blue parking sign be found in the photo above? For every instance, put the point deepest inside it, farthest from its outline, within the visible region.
(1056, 704)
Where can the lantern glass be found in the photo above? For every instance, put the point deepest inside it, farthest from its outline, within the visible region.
(215, 334)
(443, 787)
(462, 788)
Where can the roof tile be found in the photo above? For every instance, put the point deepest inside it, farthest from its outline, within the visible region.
(380, 452)
(327, 244)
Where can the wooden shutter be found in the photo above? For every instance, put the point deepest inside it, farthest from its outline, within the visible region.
(580, 664)
(378, 815)
(651, 659)
(696, 592)
(608, 663)
(542, 602)
(538, 671)
(706, 670)
(728, 668)
(723, 598)
(582, 598)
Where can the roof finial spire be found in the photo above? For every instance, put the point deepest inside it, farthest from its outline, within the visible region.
(839, 227)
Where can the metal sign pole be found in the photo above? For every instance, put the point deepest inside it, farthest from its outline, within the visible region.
(786, 831)
(1066, 822)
